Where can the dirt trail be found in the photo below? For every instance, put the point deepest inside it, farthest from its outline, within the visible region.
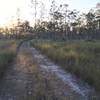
(34, 77)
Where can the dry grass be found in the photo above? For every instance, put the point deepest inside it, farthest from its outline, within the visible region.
(80, 57)
(7, 53)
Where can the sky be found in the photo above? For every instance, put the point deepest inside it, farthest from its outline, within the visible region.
(82, 5)
(8, 8)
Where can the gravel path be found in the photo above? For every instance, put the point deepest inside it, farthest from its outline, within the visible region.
(31, 77)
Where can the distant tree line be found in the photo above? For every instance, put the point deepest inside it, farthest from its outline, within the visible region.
(70, 24)
(62, 23)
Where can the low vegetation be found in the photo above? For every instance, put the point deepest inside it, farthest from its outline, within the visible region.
(7, 53)
(80, 57)
(41, 87)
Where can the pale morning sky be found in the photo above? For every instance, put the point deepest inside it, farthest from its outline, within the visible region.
(8, 8)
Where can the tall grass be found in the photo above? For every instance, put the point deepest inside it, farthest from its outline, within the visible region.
(80, 57)
(7, 53)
